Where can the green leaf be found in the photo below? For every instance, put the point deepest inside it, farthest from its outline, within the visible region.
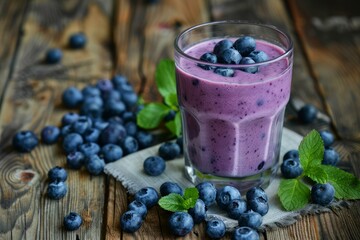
(173, 202)
(311, 150)
(172, 101)
(293, 194)
(165, 77)
(151, 115)
(175, 125)
(346, 185)
(317, 174)
(191, 193)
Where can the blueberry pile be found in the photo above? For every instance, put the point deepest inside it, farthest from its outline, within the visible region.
(242, 51)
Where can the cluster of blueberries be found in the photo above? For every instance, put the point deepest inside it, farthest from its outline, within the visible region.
(248, 212)
(291, 167)
(242, 51)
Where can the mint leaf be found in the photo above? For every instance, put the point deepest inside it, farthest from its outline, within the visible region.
(317, 174)
(173, 202)
(311, 150)
(346, 185)
(293, 194)
(175, 125)
(172, 101)
(151, 115)
(191, 193)
(165, 77)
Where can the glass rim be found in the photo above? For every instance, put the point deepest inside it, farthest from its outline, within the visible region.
(287, 52)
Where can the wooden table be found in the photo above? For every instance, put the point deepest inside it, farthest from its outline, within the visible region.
(129, 37)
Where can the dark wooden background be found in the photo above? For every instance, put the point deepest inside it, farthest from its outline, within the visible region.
(129, 37)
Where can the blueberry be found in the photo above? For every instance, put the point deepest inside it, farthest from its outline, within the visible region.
(75, 160)
(154, 166)
(245, 233)
(81, 125)
(95, 165)
(226, 72)
(229, 56)
(257, 200)
(111, 152)
(77, 40)
(131, 221)
(322, 194)
(114, 108)
(25, 141)
(53, 55)
(50, 134)
(72, 141)
(180, 142)
(91, 135)
(225, 195)
(72, 221)
(89, 149)
(291, 168)
(327, 137)
(138, 207)
(66, 130)
(147, 196)
(245, 45)
(259, 56)
(125, 87)
(94, 100)
(222, 45)
(69, 118)
(131, 128)
(100, 125)
(90, 91)
(169, 150)
(112, 95)
(294, 154)
(113, 133)
(104, 85)
(170, 187)
(236, 207)
(57, 174)
(128, 116)
(247, 60)
(118, 80)
(130, 99)
(91, 110)
(307, 114)
(331, 157)
(144, 139)
(129, 145)
(56, 190)
(181, 223)
(170, 116)
(215, 228)
(115, 120)
(198, 212)
(207, 57)
(250, 219)
(72, 97)
(207, 192)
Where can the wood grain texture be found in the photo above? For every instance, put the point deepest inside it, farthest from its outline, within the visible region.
(32, 100)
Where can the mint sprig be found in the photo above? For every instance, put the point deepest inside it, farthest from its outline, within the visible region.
(295, 194)
(174, 202)
(152, 115)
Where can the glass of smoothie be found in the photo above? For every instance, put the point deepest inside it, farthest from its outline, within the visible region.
(233, 83)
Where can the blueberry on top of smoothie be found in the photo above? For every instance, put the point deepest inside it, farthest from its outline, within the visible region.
(222, 45)
(248, 60)
(226, 72)
(259, 56)
(245, 45)
(229, 56)
(208, 57)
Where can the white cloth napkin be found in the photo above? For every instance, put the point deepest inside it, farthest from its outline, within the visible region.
(129, 171)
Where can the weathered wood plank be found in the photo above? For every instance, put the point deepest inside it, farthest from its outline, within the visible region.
(32, 100)
(330, 39)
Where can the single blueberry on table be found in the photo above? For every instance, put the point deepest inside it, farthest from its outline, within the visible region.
(104, 85)
(148, 196)
(72, 221)
(222, 45)
(91, 91)
(236, 207)
(207, 57)
(257, 200)
(89, 149)
(111, 152)
(170, 187)
(154, 165)
(229, 56)
(53, 55)
(307, 114)
(225, 195)
(198, 212)
(258, 56)
(327, 137)
(138, 207)
(129, 145)
(250, 219)
(114, 133)
(226, 72)
(291, 168)
(245, 233)
(322, 194)
(247, 60)
(57, 174)
(91, 135)
(331, 157)
(95, 165)
(72, 97)
(169, 150)
(207, 192)
(71, 142)
(75, 160)
(130, 221)
(69, 118)
(56, 190)
(294, 154)
(25, 141)
(144, 139)
(215, 228)
(245, 45)
(77, 40)
(181, 223)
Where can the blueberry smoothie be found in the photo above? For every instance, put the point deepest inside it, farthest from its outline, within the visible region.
(232, 122)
